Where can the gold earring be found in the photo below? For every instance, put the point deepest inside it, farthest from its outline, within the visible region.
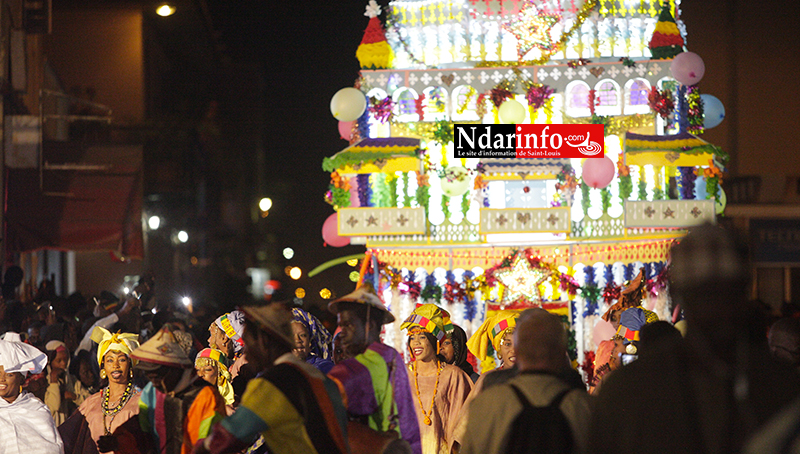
(102, 374)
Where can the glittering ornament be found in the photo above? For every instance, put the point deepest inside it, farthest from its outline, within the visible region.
(521, 280)
(532, 30)
(538, 94)
(661, 102)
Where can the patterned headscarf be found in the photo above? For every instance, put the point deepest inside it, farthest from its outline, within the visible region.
(232, 324)
(486, 340)
(320, 337)
(123, 342)
(430, 318)
(218, 359)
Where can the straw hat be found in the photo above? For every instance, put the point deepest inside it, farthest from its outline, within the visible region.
(364, 294)
(275, 318)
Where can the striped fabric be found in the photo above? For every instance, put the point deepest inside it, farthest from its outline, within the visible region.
(294, 407)
(376, 385)
(26, 427)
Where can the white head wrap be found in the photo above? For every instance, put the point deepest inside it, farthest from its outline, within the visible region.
(23, 358)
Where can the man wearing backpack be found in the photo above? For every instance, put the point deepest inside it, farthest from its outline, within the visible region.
(535, 411)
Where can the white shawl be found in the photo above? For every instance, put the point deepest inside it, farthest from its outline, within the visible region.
(27, 427)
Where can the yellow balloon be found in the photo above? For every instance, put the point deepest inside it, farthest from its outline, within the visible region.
(511, 112)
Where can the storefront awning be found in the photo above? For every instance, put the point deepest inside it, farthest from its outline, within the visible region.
(79, 210)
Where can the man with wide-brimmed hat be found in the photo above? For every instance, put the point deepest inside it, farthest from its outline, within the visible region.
(177, 407)
(290, 404)
(375, 378)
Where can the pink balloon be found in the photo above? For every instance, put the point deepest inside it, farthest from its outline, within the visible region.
(598, 172)
(345, 129)
(330, 232)
(602, 331)
(687, 68)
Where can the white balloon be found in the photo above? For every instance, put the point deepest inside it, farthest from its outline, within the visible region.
(511, 112)
(348, 104)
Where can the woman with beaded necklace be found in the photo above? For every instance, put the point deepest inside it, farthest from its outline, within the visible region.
(440, 388)
(108, 421)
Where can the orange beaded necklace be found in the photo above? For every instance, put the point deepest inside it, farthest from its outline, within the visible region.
(429, 414)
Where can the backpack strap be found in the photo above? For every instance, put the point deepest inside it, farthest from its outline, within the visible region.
(556, 402)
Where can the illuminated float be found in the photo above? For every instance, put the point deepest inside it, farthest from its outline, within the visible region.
(477, 235)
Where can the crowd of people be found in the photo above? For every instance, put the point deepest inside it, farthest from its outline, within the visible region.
(272, 378)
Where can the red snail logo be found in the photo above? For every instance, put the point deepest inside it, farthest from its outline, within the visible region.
(587, 147)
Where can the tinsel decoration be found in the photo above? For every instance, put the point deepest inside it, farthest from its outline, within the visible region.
(480, 104)
(431, 291)
(627, 62)
(627, 272)
(381, 108)
(642, 194)
(608, 274)
(614, 125)
(468, 96)
(470, 304)
(568, 284)
(683, 109)
(363, 124)
(423, 194)
(391, 182)
(585, 197)
(605, 199)
(577, 63)
(445, 206)
(364, 190)
(566, 183)
(452, 290)
(611, 293)
(537, 95)
(590, 291)
(401, 198)
(419, 106)
(499, 95)
(443, 132)
(625, 180)
(411, 287)
(688, 178)
(594, 101)
(380, 190)
(661, 102)
(694, 110)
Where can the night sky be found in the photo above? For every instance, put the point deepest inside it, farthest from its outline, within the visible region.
(308, 51)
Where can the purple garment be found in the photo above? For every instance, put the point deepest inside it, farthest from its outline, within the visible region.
(324, 365)
(361, 400)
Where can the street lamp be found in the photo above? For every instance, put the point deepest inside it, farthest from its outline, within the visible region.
(265, 204)
(183, 236)
(165, 10)
(154, 222)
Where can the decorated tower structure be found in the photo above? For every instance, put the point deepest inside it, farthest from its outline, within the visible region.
(478, 235)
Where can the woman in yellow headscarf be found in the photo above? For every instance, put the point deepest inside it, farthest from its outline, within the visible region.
(495, 337)
(439, 388)
(109, 417)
